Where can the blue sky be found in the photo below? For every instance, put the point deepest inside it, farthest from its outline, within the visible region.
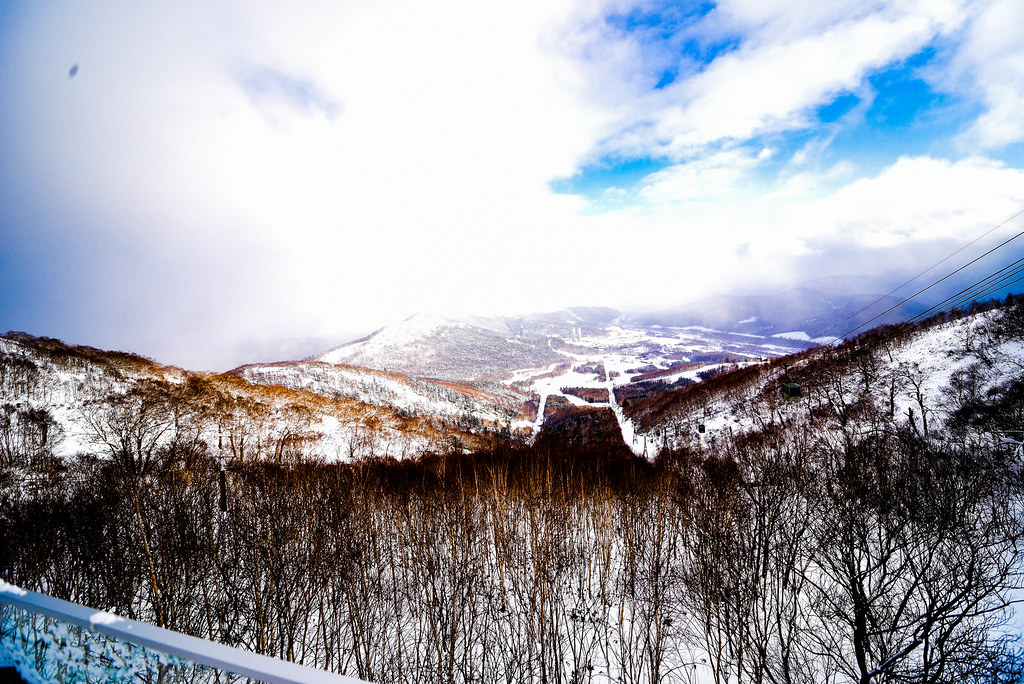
(220, 173)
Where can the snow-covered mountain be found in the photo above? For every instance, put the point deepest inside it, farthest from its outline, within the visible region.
(512, 370)
(476, 348)
(825, 307)
(429, 383)
(446, 348)
(59, 399)
(492, 406)
(927, 377)
(472, 349)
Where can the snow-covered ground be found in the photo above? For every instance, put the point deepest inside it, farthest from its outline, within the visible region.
(548, 356)
(625, 353)
(412, 396)
(591, 357)
(74, 391)
(923, 364)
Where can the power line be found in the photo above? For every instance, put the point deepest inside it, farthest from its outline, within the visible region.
(974, 291)
(1001, 284)
(1001, 287)
(946, 277)
(982, 288)
(979, 290)
(930, 268)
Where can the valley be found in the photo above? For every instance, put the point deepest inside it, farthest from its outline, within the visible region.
(551, 517)
(539, 357)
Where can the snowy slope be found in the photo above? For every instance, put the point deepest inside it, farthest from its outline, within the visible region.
(62, 397)
(496, 348)
(40, 374)
(909, 375)
(409, 396)
(535, 355)
(450, 349)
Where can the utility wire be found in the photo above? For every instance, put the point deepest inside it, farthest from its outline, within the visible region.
(927, 270)
(999, 285)
(986, 289)
(982, 288)
(979, 289)
(986, 286)
(947, 277)
(973, 292)
(990, 289)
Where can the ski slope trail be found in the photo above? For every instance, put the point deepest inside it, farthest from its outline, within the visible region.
(626, 426)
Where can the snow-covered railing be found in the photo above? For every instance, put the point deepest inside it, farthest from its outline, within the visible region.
(48, 639)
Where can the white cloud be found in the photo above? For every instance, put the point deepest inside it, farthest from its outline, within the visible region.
(394, 143)
(219, 171)
(991, 64)
(807, 183)
(916, 200)
(709, 179)
(790, 58)
(898, 221)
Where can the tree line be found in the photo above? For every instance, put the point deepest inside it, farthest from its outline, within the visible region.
(842, 540)
(785, 555)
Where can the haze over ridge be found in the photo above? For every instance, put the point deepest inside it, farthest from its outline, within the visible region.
(195, 180)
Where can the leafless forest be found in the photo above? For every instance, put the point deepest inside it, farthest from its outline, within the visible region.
(839, 542)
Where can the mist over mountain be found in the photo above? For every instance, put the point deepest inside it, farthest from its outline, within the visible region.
(273, 349)
(828, 306)
(481, 347)
(433, 346)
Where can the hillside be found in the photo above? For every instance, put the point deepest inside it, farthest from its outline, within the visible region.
(474, 349)
(760, 549)
(582, 356)
(60, 399)
(450, 349)
(514, 365)
(659, 384)
(929, 378)
(493, 405)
